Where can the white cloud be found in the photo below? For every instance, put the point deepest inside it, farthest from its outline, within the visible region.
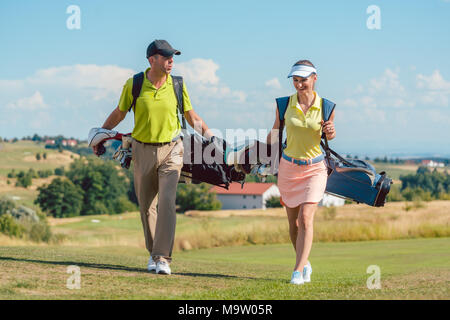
(273, 83)
(77, 97)
(34, 102)
(433, 82)
(383, 91)
(202, 71)
(101, 81)
(436, 90)
(204, 86)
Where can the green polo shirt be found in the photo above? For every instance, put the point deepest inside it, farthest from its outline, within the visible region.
(156, 114)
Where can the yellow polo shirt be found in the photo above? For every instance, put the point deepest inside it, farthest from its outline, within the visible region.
(303, 130)
(156, 115)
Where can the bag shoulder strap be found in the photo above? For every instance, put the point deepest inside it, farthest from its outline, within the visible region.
(178, 88)
(327, 108)
(138, 80)
(282, 104)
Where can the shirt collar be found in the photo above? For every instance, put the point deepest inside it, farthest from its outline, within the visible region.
(316, 104)
(168, 80)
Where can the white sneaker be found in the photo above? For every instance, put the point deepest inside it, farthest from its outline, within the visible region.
(162, 267)
(151, 265)
(297, 278)
(307, 270)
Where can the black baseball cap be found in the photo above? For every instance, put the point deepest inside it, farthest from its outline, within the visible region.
(161, 47)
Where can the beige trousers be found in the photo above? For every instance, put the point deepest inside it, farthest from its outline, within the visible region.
(156, 173)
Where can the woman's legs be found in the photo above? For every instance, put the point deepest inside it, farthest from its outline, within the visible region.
(305, 234)
(292, 214)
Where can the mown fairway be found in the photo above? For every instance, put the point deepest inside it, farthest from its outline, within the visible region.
(410, 269)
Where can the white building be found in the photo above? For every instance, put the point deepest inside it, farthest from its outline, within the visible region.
(433, 164)
(331, 201)
(252, 196)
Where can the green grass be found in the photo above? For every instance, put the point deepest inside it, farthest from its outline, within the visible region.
(12, 156)
(392, 170)
(410, 269)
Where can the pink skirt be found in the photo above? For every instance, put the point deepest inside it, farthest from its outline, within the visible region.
(301, 183)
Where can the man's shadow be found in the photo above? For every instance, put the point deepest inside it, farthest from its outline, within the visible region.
(124, 268)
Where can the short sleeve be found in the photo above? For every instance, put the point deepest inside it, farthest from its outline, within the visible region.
(186, 100)
(126, 98)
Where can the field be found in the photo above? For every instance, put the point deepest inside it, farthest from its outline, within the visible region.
(239, 255)
(228, 254)
(21, 156)
(410, 269)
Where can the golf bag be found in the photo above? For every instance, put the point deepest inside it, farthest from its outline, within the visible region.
(356, 180)
(212, 169)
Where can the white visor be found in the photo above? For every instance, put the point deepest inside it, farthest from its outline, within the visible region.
(302, 70)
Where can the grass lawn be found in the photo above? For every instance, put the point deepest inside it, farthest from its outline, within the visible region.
(410, 269)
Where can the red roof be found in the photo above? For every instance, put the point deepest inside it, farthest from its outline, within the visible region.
(249, 188)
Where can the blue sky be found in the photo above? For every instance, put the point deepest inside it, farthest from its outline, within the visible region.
(391, 86)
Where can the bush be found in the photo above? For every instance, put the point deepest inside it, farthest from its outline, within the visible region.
(61, 198)
(38, 156)
(329, 213)
(40, 232)
(10, 227)
(12, 174)
(122, 204)
(412, 194)
(395, 194)
(273, 202)
(6, 205)
(24, 181)
(44, 173)
(59, 171)
(196, 197)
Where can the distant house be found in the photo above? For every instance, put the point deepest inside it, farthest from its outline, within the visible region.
(331, 201)
(50, 142)
(70, 143)
(432, 164)
(252, 196)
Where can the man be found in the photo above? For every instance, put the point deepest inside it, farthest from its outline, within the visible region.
(157, 150)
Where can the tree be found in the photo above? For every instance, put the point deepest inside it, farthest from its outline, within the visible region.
(6, 205)
(61, 198)
(25, 180)
(44, 155)
(196, 197)
(102, 184)
(38, 156)
(59, 171)
(273, 202)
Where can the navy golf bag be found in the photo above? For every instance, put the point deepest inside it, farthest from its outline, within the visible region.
(352, 178)
(356, 180)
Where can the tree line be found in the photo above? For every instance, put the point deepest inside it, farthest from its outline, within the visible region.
(424, 185)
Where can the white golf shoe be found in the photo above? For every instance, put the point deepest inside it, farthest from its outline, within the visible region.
(151, 266)
(307, 270)
(162, 267)
(297, 278)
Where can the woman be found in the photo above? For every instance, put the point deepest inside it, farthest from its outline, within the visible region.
(302, 173)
